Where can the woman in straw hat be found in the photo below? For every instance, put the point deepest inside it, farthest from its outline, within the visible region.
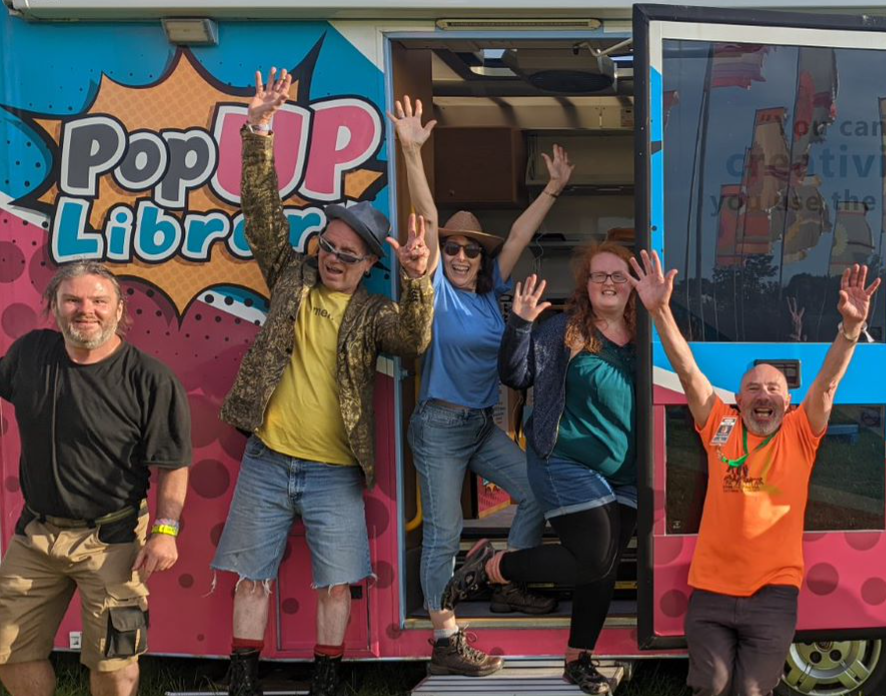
(581, 447)
(452, 428)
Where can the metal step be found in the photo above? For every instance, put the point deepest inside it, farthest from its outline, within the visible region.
(519, 677)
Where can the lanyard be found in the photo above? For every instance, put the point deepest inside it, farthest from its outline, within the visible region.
(744, 440)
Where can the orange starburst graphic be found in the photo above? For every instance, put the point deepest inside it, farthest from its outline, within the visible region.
(185, 98)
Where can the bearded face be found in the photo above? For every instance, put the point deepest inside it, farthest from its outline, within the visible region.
(87, 310)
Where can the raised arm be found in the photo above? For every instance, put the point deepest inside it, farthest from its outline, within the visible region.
(515, 363)
(654, 289)
(405, 328)
(412, 136)
(559, 172)
(855, 301)
(267, 228)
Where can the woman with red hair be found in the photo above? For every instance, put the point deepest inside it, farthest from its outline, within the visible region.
(581, 451)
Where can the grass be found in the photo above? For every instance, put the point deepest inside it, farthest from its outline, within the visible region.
(162, 674)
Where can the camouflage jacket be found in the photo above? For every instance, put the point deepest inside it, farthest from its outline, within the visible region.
(371, 324)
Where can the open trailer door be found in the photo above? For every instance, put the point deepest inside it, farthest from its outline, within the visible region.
(760, 149)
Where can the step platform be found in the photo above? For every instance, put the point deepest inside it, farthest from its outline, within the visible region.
(526, 677)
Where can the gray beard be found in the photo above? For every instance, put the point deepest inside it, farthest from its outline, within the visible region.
(78, 340)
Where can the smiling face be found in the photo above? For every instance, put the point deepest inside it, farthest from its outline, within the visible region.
(608, 298)
(763, 399)
(336, 274)
(461, 271)
(87, 310)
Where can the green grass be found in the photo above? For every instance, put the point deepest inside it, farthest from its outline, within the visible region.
(159, 675)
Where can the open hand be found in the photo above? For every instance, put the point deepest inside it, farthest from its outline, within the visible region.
(855, 298)
(653, 287)
(159, 553)
(413, 256)
(527, 302)
(268, 98)
(407, 124)
(559, 169)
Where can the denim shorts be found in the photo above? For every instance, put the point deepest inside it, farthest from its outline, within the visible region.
(272, 490)
(563, 486)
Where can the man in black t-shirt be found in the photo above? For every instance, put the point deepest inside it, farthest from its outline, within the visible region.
(93, 414)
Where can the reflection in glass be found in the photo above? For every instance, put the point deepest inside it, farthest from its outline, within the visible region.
(774, 184)
(847, 491)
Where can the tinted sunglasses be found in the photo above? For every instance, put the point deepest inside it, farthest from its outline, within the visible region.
(472, 251)
(343, 256)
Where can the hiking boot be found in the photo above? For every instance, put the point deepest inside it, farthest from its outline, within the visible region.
(454, 655)
(326, 680)
(243, 673)
(583, 673)
(471, 577)
(515, 597)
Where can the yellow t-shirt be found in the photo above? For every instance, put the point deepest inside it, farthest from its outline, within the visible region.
(303, 418)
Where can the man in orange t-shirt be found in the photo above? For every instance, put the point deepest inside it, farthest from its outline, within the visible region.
(748, 565)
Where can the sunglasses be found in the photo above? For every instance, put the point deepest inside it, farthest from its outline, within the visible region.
(343, 256)
(618, 277)
(472, 251)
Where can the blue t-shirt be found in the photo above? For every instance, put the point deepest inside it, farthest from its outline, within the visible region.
(461, 366)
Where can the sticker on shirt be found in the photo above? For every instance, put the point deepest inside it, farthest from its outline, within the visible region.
(721, 437)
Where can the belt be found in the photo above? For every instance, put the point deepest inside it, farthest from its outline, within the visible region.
(68, 523)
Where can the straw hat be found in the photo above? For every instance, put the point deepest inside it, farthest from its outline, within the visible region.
(467, 225)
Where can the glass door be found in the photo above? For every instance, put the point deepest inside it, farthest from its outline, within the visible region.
(760, 177)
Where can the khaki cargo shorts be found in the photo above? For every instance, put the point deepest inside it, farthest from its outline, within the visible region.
(38, 576)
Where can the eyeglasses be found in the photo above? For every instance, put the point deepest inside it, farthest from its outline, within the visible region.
(472, 251)
(618, 277)
(343, 256)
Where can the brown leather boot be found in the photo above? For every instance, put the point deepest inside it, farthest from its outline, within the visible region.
(454, 655)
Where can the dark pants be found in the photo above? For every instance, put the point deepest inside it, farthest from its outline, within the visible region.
(591, 545)
(738, 645)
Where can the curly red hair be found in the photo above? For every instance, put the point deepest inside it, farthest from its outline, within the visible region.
(580, 334)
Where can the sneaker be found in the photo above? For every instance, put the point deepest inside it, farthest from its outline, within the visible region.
(326, 680)
(515, 597)
(470, 577)
(454, 655)
(583, 673)
(243, 673)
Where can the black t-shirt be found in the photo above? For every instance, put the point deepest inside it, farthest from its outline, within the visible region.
(90, 432)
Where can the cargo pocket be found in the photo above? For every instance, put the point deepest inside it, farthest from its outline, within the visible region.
(127, 631)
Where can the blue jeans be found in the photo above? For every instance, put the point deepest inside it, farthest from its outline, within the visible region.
(445, 443)
(272, 489)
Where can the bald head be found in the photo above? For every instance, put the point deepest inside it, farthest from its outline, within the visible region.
(763, 399)
(764, 374)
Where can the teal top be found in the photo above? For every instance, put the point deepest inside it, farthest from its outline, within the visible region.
(597, 426)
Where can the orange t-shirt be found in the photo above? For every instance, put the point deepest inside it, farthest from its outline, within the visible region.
(751, 531)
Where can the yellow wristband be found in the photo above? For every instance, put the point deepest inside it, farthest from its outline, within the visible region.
(164, 529)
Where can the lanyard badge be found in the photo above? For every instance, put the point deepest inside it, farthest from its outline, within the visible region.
(721, 437)
(736, 463)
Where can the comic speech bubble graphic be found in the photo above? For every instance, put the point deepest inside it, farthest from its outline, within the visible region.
(147, 179)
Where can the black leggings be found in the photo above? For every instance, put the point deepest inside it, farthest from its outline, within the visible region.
(592, 544)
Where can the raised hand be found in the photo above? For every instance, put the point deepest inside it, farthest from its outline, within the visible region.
(527, 299)
(855, 298)
(653, 287)
(413, 256)
(559, 169)
(407, 124)
(268, 98)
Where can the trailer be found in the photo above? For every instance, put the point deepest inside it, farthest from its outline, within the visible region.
(745, 146)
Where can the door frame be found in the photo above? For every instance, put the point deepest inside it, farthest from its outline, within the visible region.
(648, 134)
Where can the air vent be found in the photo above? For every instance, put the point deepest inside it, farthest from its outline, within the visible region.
(529, 24)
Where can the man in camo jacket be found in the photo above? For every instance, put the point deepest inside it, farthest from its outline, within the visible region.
(304, 392)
